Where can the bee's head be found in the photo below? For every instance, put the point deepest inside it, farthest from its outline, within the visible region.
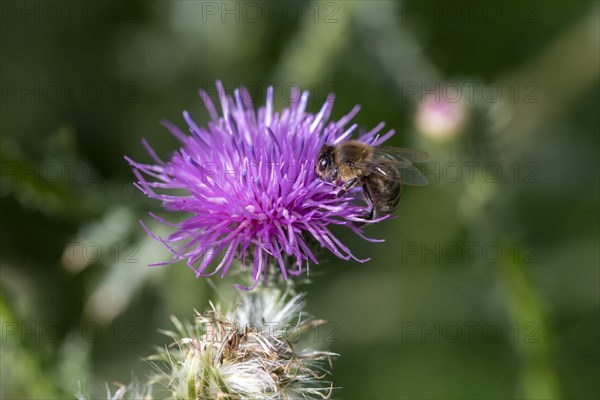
(326, 167)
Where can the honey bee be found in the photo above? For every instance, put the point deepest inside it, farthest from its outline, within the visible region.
(380, 170)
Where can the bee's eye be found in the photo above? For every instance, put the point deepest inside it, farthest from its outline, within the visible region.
(323, 163)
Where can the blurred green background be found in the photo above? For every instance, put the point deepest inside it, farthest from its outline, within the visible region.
(487, 286)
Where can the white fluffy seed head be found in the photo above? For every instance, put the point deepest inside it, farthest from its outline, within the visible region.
(249, 352)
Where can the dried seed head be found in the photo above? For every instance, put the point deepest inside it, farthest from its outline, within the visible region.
(252, 351)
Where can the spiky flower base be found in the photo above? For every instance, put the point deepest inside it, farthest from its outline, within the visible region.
(254, 351)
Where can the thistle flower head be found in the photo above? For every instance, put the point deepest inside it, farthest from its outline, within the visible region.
(250, 352)
(248, 182)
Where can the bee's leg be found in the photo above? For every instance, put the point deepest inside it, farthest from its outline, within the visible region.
(347, 186)
(369, 214)
(367, 195)
(350, 184)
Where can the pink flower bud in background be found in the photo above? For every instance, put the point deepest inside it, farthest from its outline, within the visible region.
(440, 116)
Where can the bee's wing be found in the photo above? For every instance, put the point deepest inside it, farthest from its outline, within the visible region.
(407, 174)
(401, 154)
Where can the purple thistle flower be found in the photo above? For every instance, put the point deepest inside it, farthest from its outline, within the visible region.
(251, 188)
